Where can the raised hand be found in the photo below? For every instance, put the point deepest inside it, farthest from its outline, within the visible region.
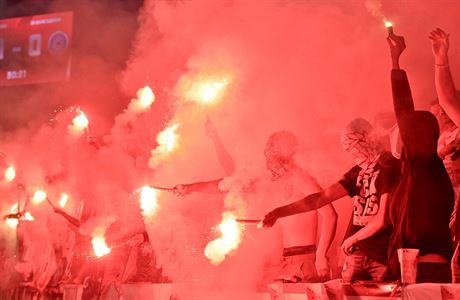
(397, 45)
(439, 45)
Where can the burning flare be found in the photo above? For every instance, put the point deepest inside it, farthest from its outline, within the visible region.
(10, 173)
(167, 142)
(13, 222)
(203, 89)
(79, 124)
(99, 246)
(64, 199)
(145, 99)
(148, 201)
(230, 239)
(39, 197)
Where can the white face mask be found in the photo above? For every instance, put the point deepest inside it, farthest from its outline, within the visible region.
(395, 141)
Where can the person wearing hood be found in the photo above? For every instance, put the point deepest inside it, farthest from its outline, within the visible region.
(422, 202)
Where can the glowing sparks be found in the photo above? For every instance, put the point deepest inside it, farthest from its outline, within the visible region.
(148, 201)
(39, 197)
(10, 173)
(64, 199)
(100, 247)
(230, 238)
(388, 24)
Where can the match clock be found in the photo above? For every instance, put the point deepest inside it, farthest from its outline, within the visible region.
(35, 49)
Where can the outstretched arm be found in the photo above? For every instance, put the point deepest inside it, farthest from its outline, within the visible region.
(309, 203)
(225, 159)
(209, 187)
(445, 87)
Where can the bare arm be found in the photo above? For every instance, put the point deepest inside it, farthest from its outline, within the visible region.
(370, 229)
(445, 87)
(309, 203)
(328, 226)
(208, 187)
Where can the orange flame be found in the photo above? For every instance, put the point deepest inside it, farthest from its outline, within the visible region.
(146, 97)
(12, 223)
(79, 123)
(388, 24)
(39, 197)
(230, 238)
(167, 139)
(167, 142)
(99, 246)
(64, 199)
(10, 173)
(148, 201)
(28, 216)
(207, 90)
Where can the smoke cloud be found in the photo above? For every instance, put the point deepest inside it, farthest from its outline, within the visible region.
(305, 66)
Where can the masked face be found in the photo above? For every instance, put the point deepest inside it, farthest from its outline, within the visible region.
(276, 167)
(357, 146)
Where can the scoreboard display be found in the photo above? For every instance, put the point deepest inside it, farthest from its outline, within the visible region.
(35, 49)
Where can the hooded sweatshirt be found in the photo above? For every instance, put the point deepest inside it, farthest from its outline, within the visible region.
(423, 200)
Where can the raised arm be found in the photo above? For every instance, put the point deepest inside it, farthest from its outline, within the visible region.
(445, 87)
(402, 97)
(225, 159)
(309, 203)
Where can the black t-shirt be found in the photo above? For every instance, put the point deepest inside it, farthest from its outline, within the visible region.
(366, 192)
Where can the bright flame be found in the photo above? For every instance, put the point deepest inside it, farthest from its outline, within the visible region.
(230, 230)
(167, 139)
(388, 24)
(207, 90)
(28, 216)
(63, 200)
(148, 201)
(39, 197)
(12, 223)
(145, 96)
(99, 246)
(167, 142)
(79, 123)
(10, 173)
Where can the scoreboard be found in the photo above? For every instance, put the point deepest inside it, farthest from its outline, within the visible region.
(35, 49)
